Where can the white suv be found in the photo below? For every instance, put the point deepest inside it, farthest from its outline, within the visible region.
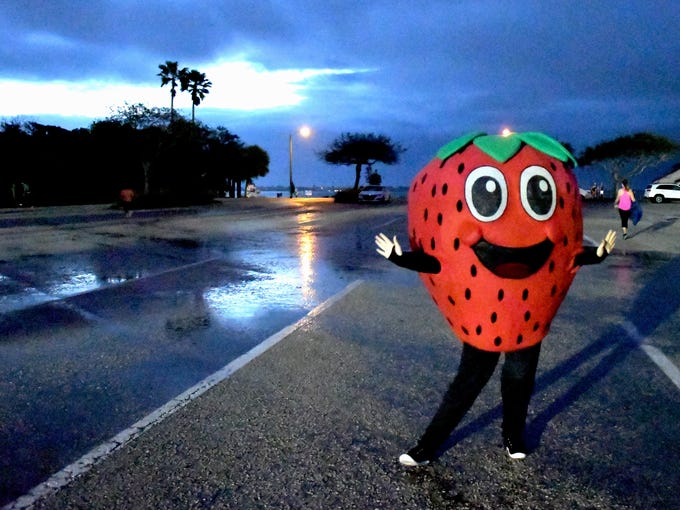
(662, 192)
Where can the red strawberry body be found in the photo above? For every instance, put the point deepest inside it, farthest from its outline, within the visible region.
(506, 234)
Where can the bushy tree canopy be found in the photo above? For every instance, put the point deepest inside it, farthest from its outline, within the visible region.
(628, 156)
(361, 149)
(139, 148)
(632, 146)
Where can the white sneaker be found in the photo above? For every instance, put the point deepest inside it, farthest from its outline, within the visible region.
(516, 448)
(406, 460)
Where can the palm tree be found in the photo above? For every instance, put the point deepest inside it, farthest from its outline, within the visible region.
(170, 73)
(197, 84)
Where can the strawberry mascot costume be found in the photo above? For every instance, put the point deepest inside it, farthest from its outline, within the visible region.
(496, 233)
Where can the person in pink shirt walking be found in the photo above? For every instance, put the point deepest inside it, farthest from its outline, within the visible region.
(624, 202)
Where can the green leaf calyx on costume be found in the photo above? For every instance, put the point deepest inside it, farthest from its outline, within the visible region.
(503, 147)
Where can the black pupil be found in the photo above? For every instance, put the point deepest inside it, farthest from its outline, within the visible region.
(539, 195)
(486, 195)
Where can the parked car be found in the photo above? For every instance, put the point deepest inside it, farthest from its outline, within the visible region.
(375, 194)
(252, 191)
(662, 192)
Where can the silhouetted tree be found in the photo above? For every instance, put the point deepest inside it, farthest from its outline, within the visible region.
(14, 146)
(173, 163)
(198, 86)
(118, 156)
(254, 163)
(224, 157)
(140, 117)
(628, 156)
(170, 73)
(181, 161)
(361, 149)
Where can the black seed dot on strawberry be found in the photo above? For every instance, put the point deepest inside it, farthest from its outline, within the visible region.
(432, 243)
(423, 179)
(478, 330)
(551, 266)
(497, 341)
(451, 300)
(494, 317)
(468, 294)
(426, 214)
(553, 291)
(568, 187)
(459, 206)
(440, 218)
(525, 294)
(561, 203)
(527, 315)
(449, 321)
(519, 339)
(415, 185)
(461, 168)
(536, 326)
(456, 243)
(501, 294)
(547, 327)
(552, 166)
(432, 282)
(565, 241)
(473, 270)
(445, 189)
(434, 190)
(465, 330)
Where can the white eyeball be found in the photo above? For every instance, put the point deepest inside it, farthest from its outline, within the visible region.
(486, 193)
(538, 192)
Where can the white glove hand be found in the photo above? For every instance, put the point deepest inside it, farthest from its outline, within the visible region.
(607, 243)
(385, 246)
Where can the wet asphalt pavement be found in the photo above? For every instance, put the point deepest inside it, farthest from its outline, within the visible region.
(105, 319)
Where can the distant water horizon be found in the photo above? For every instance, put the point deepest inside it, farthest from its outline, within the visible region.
(586, 177)
(318, 191)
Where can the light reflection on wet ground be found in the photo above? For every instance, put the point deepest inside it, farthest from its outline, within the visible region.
(41, 279)
(99, 338)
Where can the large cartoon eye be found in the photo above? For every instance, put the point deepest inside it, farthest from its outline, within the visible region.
(538, 192)
(486, 193)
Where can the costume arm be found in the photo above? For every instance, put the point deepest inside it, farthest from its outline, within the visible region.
(414, 260)
(596, 254)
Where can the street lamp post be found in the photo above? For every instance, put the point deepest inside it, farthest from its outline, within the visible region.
(304, 132)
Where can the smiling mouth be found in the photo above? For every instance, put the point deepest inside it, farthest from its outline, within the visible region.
(515, 263)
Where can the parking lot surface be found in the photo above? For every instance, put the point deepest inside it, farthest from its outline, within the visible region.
(316, 416)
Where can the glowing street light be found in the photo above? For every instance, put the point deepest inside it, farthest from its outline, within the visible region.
(304, 132)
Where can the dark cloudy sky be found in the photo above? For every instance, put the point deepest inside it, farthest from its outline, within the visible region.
(422, 73)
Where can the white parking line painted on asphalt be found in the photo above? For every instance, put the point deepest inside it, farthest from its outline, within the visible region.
(390, 222)
(655, 354)
(99, 453)
(663, 363)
